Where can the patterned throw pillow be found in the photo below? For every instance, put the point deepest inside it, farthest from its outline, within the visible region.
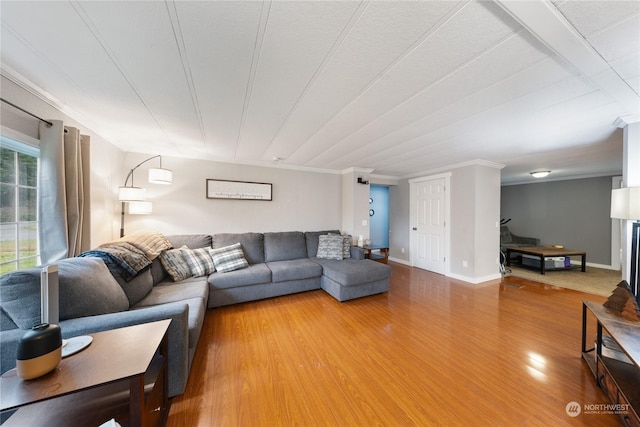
(173, 261)
(346, 246)
(199, 261)
(330, 246)
(229, 258)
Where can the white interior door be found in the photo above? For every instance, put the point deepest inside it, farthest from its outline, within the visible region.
(429, 237)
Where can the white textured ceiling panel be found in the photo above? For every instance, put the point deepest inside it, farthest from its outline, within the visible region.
(478, 85)
(297, 41)
(368, 47)
(403, 87)
(222, 46)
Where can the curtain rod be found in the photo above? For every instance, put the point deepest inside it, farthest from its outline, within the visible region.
(26, 112)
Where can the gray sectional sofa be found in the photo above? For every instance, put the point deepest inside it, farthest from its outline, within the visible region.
(93, 300)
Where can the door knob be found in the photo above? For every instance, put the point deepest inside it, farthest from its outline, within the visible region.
(415, 228)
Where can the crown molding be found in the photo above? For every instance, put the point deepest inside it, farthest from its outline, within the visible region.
(623, 121)
(356, 169)
(476, 162)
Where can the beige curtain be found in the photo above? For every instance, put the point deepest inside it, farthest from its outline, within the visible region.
(63, 197)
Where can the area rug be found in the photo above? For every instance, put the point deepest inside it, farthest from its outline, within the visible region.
(597, 281)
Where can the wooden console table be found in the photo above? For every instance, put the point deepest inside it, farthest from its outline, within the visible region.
(619, 380)
(121, 375)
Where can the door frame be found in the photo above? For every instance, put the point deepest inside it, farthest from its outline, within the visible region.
(412, 217)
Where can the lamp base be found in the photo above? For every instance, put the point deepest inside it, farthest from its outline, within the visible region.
(73, 345)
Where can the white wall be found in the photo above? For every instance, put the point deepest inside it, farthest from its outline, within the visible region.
(303, 201)
(105, 157)
(474, 212)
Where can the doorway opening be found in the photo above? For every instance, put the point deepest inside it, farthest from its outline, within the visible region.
(379, 215)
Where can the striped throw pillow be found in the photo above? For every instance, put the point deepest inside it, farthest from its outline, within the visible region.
(199, 261)
(174, 263)
(229, 258)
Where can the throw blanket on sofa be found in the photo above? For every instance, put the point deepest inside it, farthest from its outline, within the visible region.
(151, 243)
(121, 258)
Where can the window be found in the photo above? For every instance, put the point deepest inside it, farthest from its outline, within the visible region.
(18, 205)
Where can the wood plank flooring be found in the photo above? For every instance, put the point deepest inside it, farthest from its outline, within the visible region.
(432, 351)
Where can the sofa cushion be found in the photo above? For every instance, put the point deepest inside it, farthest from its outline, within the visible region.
(192, 241)
(229, 258)
(284, 246)
(174, 263)
(138, 287)
(167, 292)
(312, 238)
(5, 321)
(86, 288)
(199, 261)
(157, 271)
(330, 246)
(252, 244)
(349, 272)
(255, 274)
(298, 269)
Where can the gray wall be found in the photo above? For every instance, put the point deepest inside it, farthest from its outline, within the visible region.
(572, 213)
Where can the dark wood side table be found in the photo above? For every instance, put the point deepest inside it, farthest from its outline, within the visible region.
(121, 375)
(619, 379)
(383, 257)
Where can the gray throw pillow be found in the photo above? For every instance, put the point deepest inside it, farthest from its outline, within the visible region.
(330, 246)
(86, 288)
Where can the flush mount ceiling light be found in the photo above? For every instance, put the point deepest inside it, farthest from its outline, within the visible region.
(540, 174)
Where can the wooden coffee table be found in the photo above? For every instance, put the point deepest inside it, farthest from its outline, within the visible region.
(121, 375)
(543, 252)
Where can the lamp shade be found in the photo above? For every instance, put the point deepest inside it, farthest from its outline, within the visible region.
(140, 208)
(625, 203)
(160, 176)
(131, 194)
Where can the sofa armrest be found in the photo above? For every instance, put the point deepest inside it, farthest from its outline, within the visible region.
(178, 358)
(357, 252)
(529, 241)
(9, 347)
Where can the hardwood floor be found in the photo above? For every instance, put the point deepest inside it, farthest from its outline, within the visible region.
(432, 351)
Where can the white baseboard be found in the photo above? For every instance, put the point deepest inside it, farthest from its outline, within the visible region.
(400, 261)
(475, 280)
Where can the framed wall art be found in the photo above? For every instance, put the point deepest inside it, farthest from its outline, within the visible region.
(238, 190)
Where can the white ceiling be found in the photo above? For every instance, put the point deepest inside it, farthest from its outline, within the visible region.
(402, 87)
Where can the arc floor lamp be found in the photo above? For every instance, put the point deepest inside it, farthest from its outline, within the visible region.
(135, 197)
